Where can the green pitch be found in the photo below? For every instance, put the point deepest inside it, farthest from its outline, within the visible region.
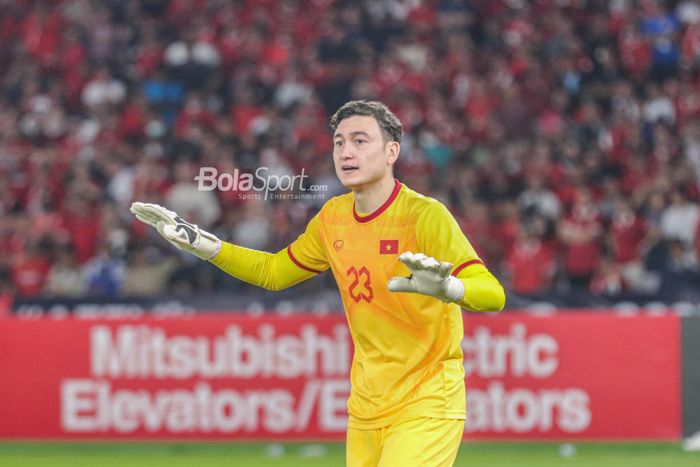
(312, 455)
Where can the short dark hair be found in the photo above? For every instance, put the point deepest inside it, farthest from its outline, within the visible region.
(388, 121)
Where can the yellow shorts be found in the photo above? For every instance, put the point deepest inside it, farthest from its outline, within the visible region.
(419, 442)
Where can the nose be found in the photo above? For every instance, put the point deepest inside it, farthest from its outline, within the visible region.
(346, 152)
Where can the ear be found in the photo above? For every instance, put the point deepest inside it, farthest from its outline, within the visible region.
(392, 152)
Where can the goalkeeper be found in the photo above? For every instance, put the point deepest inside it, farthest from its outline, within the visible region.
(404, 270)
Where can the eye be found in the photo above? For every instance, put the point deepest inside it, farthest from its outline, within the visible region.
(359, 141)
(338, 143)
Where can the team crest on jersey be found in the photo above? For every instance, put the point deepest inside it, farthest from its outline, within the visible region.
(388, 247)
(338, 245)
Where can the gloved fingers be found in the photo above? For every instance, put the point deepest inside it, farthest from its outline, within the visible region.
(405, 255)
(401, 284)
(142, 218)
(159, 212)
(148, 220)
(153, 212)
(411, 260)
(138, 208)
(145, 216)
(429, 264)
(445, 269)
(421, 262)
(153, 207)
(419, 256)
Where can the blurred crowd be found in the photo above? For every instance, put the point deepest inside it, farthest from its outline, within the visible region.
(563, 134)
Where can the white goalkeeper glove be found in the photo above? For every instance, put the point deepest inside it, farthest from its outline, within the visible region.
(177, 231)
(428, 277)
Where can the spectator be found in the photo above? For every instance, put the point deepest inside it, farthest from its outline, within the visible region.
(531, 262)
(253, 229)
(627, 231)
(81, 222)
(662, 28)
(184, 196)
(538, 199)
(579, 232)
(147, 272)
(104, 273)
(29, 271)
(66, 277)
(607, 278)
(679, 271)
(628, 240)
(680, 218)
(103, 89)
(193, 59)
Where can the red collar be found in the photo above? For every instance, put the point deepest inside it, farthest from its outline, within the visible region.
(380, 209)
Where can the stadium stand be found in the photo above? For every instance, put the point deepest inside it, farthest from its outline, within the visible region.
(564, 135)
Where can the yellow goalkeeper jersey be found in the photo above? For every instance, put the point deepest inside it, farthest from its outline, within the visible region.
(408, 357)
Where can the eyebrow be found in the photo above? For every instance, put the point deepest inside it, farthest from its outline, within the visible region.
(353, 133)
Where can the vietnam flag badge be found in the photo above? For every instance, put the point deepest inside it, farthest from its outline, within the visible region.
(388, 247)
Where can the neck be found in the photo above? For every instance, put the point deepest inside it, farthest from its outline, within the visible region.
(369, 198)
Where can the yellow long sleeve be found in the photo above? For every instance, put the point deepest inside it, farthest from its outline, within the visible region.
(272, 271)
(482, 291)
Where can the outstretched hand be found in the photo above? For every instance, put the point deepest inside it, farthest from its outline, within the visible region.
(428, 277)
(177, 231)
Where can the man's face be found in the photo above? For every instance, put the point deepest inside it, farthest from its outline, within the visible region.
(360, 153)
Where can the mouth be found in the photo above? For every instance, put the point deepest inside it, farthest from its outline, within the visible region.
(349, 168)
